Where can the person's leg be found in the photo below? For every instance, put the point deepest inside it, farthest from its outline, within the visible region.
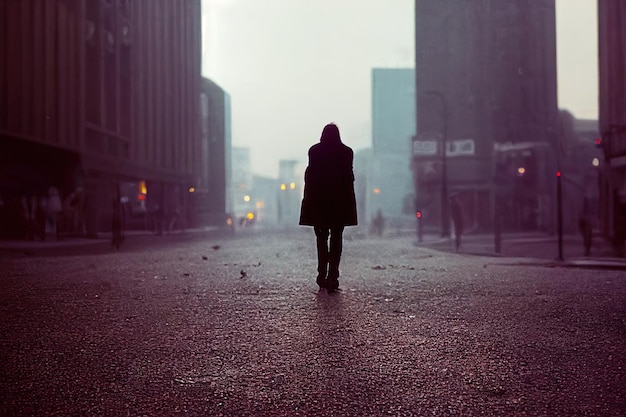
(321, 235)
(336, 246)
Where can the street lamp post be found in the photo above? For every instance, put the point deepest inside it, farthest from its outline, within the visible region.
(559, 212)
(445, 220)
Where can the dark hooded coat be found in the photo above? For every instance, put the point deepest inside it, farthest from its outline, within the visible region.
(329, 199)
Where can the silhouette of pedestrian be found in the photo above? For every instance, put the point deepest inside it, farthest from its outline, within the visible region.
(329, 203)
(585, 226)
(54, 211)
(117, 224)
(456, 212)
(27, 202)
(378, 223)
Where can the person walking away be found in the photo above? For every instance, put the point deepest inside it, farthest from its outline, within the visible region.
(117, 235)
(174, 218)
(456, 212)
(40, 217)
(378, 223)
(329, 202)
(30, 207)
(54, 209)
(585, 226)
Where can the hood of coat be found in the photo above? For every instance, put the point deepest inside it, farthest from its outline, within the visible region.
(330, 134)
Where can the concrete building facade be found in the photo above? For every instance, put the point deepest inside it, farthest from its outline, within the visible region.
(99, 93)
(389, 177)
(485, 74)
(612, 120)
(213, 197)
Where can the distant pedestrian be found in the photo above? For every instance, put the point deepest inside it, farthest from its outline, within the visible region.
(456, 212)
(378, 223)
(40, 216)
(158, 220)
(35, 218)
(585, 226)
(329, 202)
(27, 217)
(174, 217)
(54, 209)
(117, 224)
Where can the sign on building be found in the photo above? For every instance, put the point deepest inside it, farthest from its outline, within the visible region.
(424, 147)
(459, 147)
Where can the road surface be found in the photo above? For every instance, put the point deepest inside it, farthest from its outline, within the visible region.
(235, 326)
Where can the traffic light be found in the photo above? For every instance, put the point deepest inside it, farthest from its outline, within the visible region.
(598, 142)
(418, 216)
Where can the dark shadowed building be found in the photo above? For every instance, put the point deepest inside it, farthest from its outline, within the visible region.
(213, 197)
(580, 165)
(100, 96)
(485, 74)
(612, 101)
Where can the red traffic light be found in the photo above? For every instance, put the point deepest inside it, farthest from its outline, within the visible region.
(418, 214)
(598, 141)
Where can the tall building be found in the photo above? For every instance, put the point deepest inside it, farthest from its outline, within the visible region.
(612, 100)
(97, 95)
(290, 193)
(389, 178)
(485, 74)
(213, 197)
(266, 200)
(242, 185)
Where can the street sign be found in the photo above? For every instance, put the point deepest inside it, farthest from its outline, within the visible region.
(424, 147)
(461, 147)
(458, 147)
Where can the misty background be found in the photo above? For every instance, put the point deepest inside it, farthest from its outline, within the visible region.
(291, 66)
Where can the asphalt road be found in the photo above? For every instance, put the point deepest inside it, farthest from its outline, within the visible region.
(235, 326)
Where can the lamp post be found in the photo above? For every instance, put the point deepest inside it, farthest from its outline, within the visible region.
(559, 213)
(445, 218)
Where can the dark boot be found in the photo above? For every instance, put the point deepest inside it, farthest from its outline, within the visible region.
(334, 257)
(332, 284)
(321, 281)
(322, 267)
(322, 256)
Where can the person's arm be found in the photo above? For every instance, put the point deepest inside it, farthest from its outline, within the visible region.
(352, 164)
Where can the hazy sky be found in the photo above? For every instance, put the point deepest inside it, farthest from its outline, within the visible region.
(291, 66)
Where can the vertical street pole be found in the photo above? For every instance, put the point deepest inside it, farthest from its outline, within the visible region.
(497, 231)
(445, 219)
(559, 205)
(420, 230)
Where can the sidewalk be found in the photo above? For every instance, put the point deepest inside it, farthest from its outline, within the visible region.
(532, 247)
(75, 244)
(535, 246)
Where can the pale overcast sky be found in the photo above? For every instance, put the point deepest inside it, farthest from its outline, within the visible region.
(291, 66)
